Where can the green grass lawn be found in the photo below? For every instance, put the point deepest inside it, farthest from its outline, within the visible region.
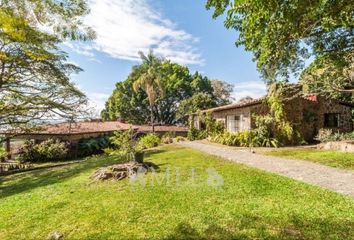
(179, 201)
(330, 158)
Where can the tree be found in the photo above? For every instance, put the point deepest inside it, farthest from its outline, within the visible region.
(150, 80)
(222, 91)
(34, 75)
(63, 17)
(198, 101)
(179, 84)
(245, 99)
(324, 76)
(284, 34)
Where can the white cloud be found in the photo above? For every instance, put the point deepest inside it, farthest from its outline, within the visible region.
(254, 89)
(97, 100)
(125, 27)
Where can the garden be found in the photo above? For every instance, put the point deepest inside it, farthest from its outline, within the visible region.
(177, 201)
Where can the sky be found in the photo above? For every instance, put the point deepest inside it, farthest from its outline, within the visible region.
(182, 31)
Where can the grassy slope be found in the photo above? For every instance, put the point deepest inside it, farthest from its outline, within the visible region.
(250, 204)
(330, 158)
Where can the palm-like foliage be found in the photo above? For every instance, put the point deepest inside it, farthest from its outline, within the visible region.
(150, 80)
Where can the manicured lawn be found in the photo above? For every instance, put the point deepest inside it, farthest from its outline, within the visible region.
(179, 201)
(330, 158)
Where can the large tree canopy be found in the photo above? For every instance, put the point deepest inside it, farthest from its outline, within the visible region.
(181, 88)
(222, 91)
(283, 34)
(34, 75)
(62, 17)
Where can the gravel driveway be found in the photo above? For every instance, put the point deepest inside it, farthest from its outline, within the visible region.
(337, 180)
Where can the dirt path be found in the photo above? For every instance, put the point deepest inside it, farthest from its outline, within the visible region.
(337, 180)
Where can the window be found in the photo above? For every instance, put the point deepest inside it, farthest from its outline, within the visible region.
(234, 123)
(331, 120)
(196, 122)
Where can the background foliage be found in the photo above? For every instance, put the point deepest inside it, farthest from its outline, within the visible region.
(184, 93)
(35, 80)
(284, 35)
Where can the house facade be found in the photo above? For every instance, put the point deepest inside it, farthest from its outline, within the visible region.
(309, 115)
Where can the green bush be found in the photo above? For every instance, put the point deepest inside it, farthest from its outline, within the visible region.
(211, 125)
(3, 153)
(167, 138)
(49, 150)
(327, 135)
(126, 141)
(180, 139)
(195, 134)
(149, 141)
(263, 135)
(238, 139)
(91, 146)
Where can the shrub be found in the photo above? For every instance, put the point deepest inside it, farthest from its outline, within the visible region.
(91, 146)
(3, 153)
(264, 134)
(212, 126)
(126, 141)
(49, 150)
(180, 139)
(195, 134)
(238, 139)
(327, 135)
(167, 138)
(149, 141)
(127, 145)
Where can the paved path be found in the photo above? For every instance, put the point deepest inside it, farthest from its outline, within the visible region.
(337, 180)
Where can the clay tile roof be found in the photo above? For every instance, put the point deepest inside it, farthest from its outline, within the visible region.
(98, 127)
(83, 127)
(235, 105)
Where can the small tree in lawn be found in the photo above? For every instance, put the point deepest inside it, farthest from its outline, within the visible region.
(150, 80)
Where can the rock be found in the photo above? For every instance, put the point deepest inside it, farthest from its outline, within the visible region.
(120, 171)
(343, 146)
(55, 235)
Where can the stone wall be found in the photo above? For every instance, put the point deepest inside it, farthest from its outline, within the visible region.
(307, 116)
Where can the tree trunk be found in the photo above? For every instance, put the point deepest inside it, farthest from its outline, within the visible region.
(152, 119)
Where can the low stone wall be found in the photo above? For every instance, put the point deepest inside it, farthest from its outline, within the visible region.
(8, 167)
(343, 146)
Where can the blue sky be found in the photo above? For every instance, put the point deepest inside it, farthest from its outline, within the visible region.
(182, 31)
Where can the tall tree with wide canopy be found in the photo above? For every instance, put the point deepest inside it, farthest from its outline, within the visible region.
(150, 80)
(34, 75)
(180, 88)
(283, 35)
(223, 91)
(62, 17)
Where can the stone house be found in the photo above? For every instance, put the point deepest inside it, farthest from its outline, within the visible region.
(309, 114)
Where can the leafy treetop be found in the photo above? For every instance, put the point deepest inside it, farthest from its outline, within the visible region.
(63, 17)
(284, 34)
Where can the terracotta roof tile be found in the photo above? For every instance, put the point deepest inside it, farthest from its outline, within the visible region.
(83, 127)
(235, 105)
(98, 127)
